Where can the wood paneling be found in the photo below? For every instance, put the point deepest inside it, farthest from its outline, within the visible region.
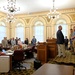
(52, 48)
(47, 50)
(42, 52)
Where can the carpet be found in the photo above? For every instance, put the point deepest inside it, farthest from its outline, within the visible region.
(22, 71)
(68, 60)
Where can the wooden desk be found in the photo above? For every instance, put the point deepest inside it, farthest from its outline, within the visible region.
(53, 69)
(10, 55)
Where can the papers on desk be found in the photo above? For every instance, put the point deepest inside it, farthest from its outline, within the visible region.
(4, 52)
(9, 52)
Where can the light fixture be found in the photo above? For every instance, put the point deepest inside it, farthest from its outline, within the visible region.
(53, 12)
(11, 8)
(10, 18)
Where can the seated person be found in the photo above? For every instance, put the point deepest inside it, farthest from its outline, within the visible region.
(19, 46)
(24, 46)
(15, 47)
(0, 47)
(26, 41)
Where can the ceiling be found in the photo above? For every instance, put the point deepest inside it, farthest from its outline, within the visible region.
(32, 6)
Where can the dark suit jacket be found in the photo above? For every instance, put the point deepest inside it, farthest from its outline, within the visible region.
(60, 37)
(26, 42)
(66, 42)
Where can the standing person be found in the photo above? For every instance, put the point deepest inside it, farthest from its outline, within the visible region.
(33, 41)
(26, 41)
(70, 36)
(5, 42)
(73, 38)
(66, 42)
(20, 43)
(16, 40)
(9, 42)
(60, 42)
(13, 42)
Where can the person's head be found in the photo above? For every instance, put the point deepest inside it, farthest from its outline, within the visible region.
(5, 38)
(65, 37)
(19, 39)
(60, 27)
(13, 38)
(74, 28)
(33, 36)
(26, 38)
(16, 37)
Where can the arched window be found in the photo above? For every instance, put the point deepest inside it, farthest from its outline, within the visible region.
(39, 31)
(64, 27)
(2, 31)
(20, 31)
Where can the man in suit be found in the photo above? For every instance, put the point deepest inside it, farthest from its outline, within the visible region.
(60, 42)
(26, 41)
(5, 42)
(16, 40)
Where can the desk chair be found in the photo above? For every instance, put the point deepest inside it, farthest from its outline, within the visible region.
(18, 58)
(34, 49)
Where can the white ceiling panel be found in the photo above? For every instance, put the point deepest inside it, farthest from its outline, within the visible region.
(30, 6)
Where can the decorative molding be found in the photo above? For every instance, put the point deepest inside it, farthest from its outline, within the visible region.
(27, 20)
(44, 14)
(72, 17)
(48, 20)
(67, 11)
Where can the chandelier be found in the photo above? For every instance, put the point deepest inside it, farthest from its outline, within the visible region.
(53, 13)
(10, 18)
(11, 8)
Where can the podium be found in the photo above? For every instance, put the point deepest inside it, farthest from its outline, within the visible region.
(47, 50)
(52, 48)
(42, 52)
